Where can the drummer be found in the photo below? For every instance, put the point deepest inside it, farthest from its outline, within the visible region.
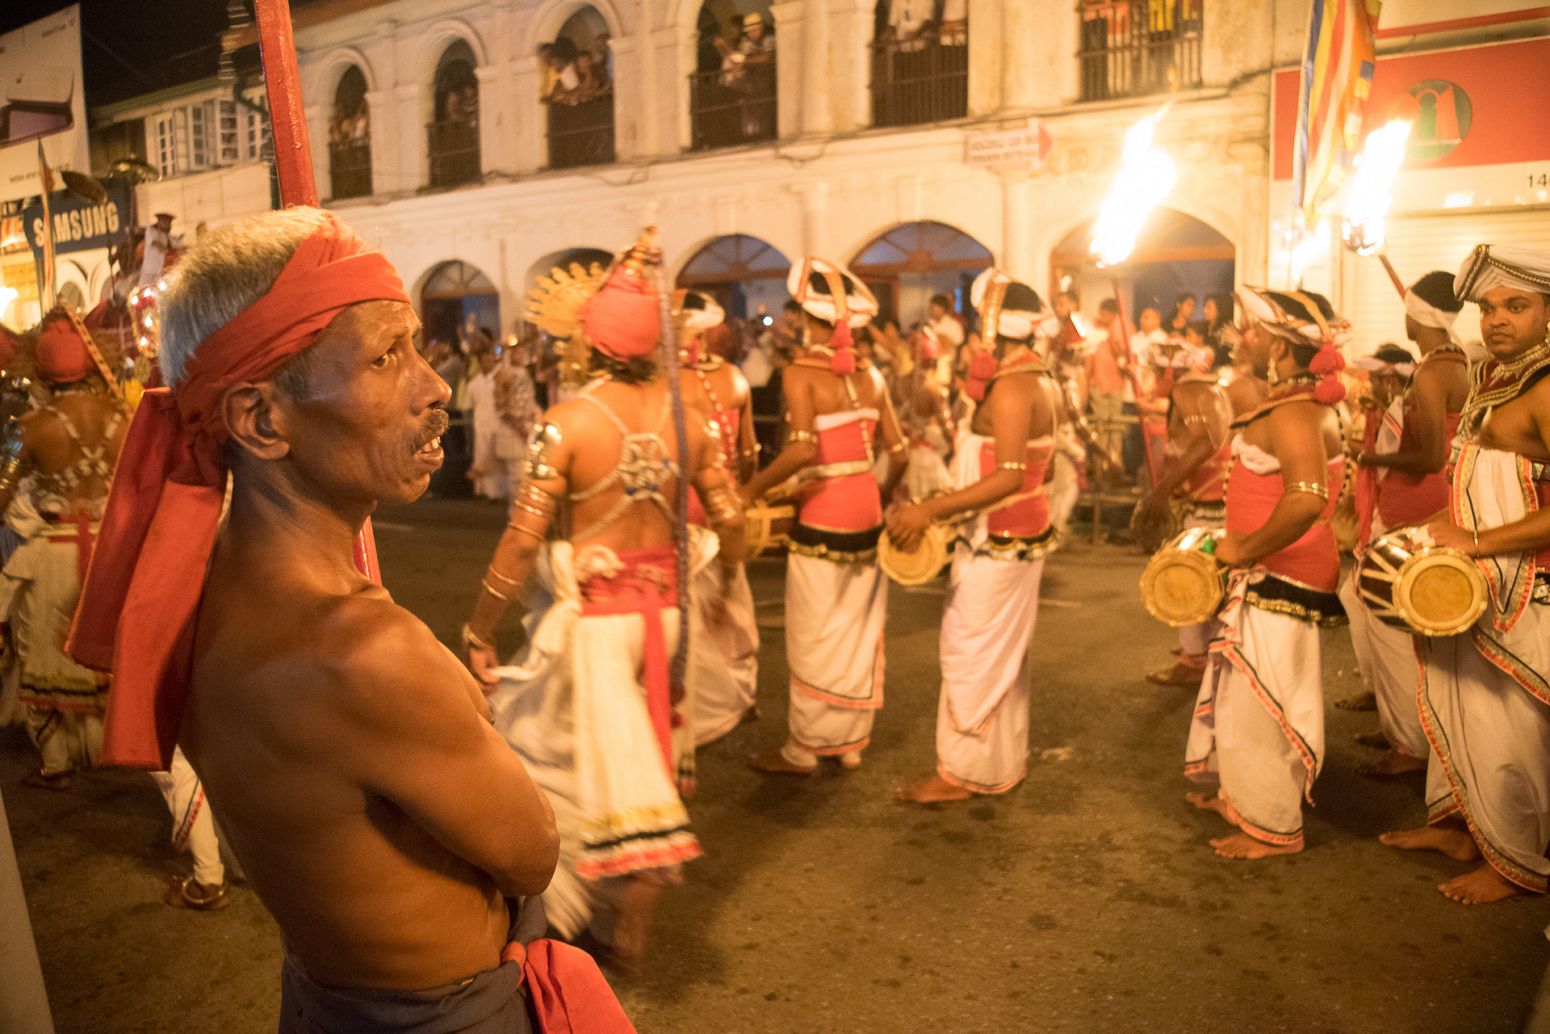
(999, 469)
(724, 651)
(1485, 695)
(1399, 483)
(1258, 725)
(1194, 466)
(836, 596)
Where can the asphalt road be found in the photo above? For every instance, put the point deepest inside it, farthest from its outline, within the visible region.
(1085, 900)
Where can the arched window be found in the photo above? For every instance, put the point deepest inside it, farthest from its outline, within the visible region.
(920, 61)
(913, 262)
(349, 137)
(577, 88)
(454, 130)
(746, 275)
(732, 89)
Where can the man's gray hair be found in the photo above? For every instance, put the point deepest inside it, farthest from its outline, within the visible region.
(228, 270)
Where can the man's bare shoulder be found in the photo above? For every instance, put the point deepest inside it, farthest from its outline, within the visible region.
(368, 650)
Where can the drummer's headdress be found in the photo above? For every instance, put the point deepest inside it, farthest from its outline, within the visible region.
(1389, 358)
(832, 294)
(623, 319)
(1430, 301)
(1493, 265)
(694, 312)
(1009, 310)
(1298, 318)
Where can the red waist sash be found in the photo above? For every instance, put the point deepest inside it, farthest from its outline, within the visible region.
(1406, 498)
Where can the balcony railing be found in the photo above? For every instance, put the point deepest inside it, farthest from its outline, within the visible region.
(922, 79)
(454, 152)
(581, 134)
(1131, 48)
(349, 169)
(729, 111)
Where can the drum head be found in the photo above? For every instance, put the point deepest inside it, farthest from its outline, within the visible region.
(920, 565)
(1181, 587)
(1440, 592)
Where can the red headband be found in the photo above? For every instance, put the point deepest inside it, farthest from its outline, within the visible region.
(137, 608)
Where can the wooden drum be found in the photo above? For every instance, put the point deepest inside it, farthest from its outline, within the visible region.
(1408, 583)
(920, 565)
(767, 526)
(1183, 584)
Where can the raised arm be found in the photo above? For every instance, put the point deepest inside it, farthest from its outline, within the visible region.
(893, 437)
(1297, 437)
(718, 493)
(801, 436)
(409, 726)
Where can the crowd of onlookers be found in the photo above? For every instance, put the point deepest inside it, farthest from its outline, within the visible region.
(571, 74)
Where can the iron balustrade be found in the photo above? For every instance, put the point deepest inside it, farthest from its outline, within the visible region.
(349, 168)
(729, 111)
(921, 79)
(1131, 48)
(582, 133)
(454, 152)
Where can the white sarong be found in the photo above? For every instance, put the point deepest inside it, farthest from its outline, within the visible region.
(835, 613)
(1258, 726)
(574, 707)
(1386, 658)
(723, 653)
(1484, 696)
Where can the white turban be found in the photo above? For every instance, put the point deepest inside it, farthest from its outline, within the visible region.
(1428, 315)
(696, 310)
(1019, 312)
(809, 284)
(1503, 265)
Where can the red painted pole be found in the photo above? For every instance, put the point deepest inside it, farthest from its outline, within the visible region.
(293, 161)
(1129, 369)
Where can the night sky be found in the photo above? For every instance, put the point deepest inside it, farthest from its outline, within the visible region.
(164, 40)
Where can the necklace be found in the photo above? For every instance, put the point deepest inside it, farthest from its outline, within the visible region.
(1531, 357)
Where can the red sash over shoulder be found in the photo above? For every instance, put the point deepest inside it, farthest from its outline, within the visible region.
(137, 609)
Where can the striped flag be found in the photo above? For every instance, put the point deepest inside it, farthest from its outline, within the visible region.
(1336, 78)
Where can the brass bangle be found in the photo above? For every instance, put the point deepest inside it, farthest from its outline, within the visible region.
(751, 452)
(1476, 533)
(1310, 487)
(524, 529)
(1016, 465)
(898, 447)
(801, 436)
(491, 571)
(472, 641)
(487, 587)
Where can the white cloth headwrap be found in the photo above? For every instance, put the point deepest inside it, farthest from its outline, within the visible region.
(860, 302)
(1503, 265)
(1428, 315)
(1016, 324)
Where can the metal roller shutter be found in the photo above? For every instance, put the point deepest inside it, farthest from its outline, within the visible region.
(1418, 244)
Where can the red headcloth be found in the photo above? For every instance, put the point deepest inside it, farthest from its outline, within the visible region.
(137, 609)
(62, 355)
(623, 319)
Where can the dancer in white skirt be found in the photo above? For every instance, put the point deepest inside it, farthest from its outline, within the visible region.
(836, 596)
(1003, 515)
(1485, 694)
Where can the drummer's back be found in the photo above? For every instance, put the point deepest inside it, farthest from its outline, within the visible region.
(831, 393)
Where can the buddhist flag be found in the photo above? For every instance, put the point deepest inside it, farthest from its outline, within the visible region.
(1336, 78)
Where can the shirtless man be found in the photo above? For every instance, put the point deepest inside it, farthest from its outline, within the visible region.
(593, 718)
(381, 820)
(836, 595)
(1258, 724)
(1401, 473)
(1485, 698)
(1195, 462)
(67, 448)
(999, 469)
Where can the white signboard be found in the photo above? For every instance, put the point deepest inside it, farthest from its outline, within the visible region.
(41, 102)
(1025, 146)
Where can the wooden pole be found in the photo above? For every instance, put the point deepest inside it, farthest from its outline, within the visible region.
(293, 162)
(1388, 267)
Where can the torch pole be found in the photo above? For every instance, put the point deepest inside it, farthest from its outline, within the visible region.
(1388, 267)
(1130, 374)
(293, 163)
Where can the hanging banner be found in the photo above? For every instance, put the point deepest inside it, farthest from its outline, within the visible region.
(42, 102)
(78, 224)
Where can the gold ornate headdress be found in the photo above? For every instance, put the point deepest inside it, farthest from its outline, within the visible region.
(554, 303)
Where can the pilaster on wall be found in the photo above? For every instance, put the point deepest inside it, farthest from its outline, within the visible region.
(674, 47)
(413, 170)
(629, 99)
(528, 144)
(791, 67)
(652, 100)
(816, 115)
(987, 42)
(384, 139)
(815, 217)
(850, 36)
(1017, 255)
(494, 125)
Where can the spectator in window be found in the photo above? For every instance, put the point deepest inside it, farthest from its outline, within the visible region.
(907, 19)
(590, 77)
(548, 75)
(754, 78)
(567, 84)
(603, 60)
(954, 23)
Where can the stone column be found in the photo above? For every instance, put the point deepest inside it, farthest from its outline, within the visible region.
(629, 99)
(413, 159)
(815, 216)
(529, 146)
(674, 48)
(987, 46)
(384, 140)
(850, 39)
(494, 133)
(817, 117)
(1017, 237)
(791, 65)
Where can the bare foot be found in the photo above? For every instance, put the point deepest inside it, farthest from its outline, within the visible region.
(774, 762)
(1360, 702)
(637, 905)
(1186, 672)
(1209, 802)
(1480, 887)
(1244, 847)
(1391, 763)
(1373, 739)
(932, 790)
(1452, 841)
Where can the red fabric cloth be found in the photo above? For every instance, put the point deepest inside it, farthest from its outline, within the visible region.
(566, 991)
(137, 609)
(1406, 498)
(849, 502)
(1367, 483)
(648, 583)
(1027, 514)
(62, 355)
(1314, 559)
(624, 317)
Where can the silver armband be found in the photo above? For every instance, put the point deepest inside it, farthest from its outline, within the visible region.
(542, 445)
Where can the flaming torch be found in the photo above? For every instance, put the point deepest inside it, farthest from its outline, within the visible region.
(1145, 178)
(1371, 194)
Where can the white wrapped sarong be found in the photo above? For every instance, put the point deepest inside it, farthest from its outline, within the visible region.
(723, 653)
(1484, 696)
(835, 614)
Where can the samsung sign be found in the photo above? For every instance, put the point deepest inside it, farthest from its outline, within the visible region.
(79, 225)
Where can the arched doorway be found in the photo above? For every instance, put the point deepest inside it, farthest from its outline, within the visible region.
(1175, 255)
(909, 264)
(920, 61)
(576, 85)
(732, 88)
(745, 274)
(349, 138)
(457, 302)
(453, 135)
